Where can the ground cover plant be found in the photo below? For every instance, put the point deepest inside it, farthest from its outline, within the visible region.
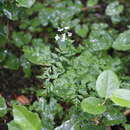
(64, 65)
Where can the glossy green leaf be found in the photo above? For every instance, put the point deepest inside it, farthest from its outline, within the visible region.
(93, 105)
(3, 107)
(121, 97)
(38, 54)
(106, 83)
(25, 119)
(11, 12)
(13, 126)
(21, 38)
(100, 40)
(91, 3)
(47, 111)
(82, 30)
(122, 42)
(114, 8)
(67, 125)
(25, 3)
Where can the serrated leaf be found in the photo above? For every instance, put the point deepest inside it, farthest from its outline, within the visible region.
(25, 119)
(93, 105)
(3, 107)
(121, 97)
(25, 3)
(106, 83)
(122, 42)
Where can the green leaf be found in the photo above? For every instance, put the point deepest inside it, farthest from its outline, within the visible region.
(122, 42)
(44, 16)
(38, 54)
(121, 97)
(47, 111)
(67, 125)
(3, 35)
(106, 83)
(3, 107)
(113, 117)
(100, 40)
(21, 38)
(25, 3)
(93, 105)
(114, 9)
(3, 54)
(13, 126)
(25, 119)
(127, 127)
(92, 3)
(12, 12)
(82, 30)
(12, 62)
(26, 66)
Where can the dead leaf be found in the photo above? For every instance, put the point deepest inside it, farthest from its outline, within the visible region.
(23, 100)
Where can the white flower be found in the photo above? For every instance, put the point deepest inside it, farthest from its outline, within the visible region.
(63, 37)
(66, 28)
(69, 34)
(60, 29)
(5, 51)
(57, 37)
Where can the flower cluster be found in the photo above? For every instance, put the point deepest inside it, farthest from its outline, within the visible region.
(64, 35)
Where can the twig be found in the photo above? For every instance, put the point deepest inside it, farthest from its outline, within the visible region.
(94, 7)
